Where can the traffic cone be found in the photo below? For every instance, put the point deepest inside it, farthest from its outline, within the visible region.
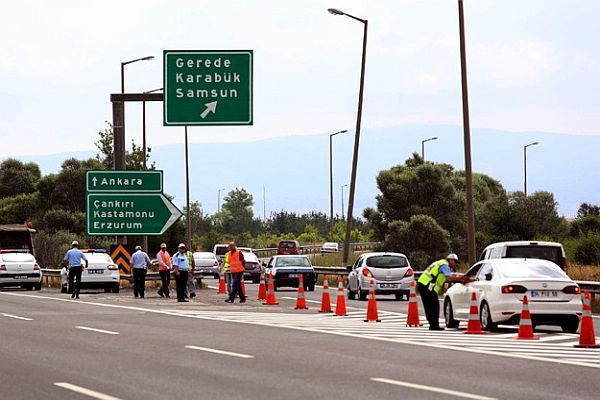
(372, 315)
(525, 326)
(222, 287)
(243, 285)
(412, 320)
(301, 301)
(340, 306)
(262, 290)
(587, 337)
(474, 325)
(271, 300)
(325, 299)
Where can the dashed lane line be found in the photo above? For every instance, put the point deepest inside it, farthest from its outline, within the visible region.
(17, 317)
(222, 352)
(429, 388)
(86, 392)
(87, 328)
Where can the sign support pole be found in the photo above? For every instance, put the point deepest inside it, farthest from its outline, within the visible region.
(188, 222)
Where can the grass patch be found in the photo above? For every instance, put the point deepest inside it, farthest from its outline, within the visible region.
(580, 272)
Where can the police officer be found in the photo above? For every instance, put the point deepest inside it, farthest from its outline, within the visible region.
(431, 283)
(73, 260)
(139, 263)
(235, 259)
(181, 266)
(191, 283)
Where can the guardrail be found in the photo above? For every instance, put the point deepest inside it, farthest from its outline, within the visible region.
(51, 276)
(314, 249)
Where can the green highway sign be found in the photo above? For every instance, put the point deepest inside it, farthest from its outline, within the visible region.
(129, 213)
(124, 181)
(207, 87)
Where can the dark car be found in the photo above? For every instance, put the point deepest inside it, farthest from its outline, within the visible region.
(288, 247)
(286, 270)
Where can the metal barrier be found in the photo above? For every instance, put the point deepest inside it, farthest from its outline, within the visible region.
(314, 249)
(51, 276)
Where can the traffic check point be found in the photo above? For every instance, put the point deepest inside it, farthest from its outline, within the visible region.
(587, 337)
(474, 325)
(525, 326)
(412, 320)
(325, 299)
(262, 290)
(340, 306)
(372, 315)
(301, 301)
(271, 300)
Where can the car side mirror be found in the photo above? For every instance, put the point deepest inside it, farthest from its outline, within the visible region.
(349, 267)
(264, 264)
(488, 276)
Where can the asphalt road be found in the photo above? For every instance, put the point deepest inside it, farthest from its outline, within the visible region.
(119, 347)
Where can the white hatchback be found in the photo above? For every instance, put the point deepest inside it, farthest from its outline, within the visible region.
(501, 284)
(19, 268)
(102, 272)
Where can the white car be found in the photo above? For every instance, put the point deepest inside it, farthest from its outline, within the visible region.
(391, 273)
(330, 247)
(206, 263)
(102, 272)
(501, 284)
(19, 268)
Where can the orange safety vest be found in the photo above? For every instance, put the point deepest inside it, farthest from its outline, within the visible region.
(166, 258)
(235, 262)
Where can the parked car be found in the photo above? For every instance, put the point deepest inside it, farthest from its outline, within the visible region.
(501, 284)
(220, 250)
(206, 263)
(550, 251)
(330, 247)
(288, 247)
(19, 268)
(253, 265)
(102, 272)
(286, 270)
(245, 249)
(391, 272)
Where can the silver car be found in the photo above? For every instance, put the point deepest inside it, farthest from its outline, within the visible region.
(391, 273)
(206, 263)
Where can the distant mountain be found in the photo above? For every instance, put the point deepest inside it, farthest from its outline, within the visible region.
(295, 169)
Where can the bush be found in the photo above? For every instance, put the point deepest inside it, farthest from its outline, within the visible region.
(588, 250)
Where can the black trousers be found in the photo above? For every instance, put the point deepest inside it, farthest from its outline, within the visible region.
(75, 278)
(165, 277)
(236, 285)
(181, 280)
(431, 304)
(139, 281)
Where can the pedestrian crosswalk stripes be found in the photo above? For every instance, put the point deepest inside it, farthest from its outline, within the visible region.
(552, 347)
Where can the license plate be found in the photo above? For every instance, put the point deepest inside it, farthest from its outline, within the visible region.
(20, 277)
(294, 275)
(95, 271)
(388, 286)
(544, 293)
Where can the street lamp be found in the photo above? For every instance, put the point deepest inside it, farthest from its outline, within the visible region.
(123, 64)
(144, 124)
(423, 146)
(356, 132)
(219, 199)
(525, 165)
(342, 190)
(331, 179)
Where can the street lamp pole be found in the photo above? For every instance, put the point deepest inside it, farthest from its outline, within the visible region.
(525, 165)
(219, 199)
(342, 190)
(467, 138)
(423, 146)
(123, 64)
(365, 23)
(331, 181)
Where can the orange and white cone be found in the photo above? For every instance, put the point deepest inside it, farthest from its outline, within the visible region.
(222, 287)
(262, 288)
(271, 300)
(587, 337)
(412, 320)
(340, 306)
(301, 301)
(525, 325)
(372, 315)
(474, 325)
(325, 299)
(243, 285)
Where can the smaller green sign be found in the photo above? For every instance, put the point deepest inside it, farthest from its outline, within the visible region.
(124, 181)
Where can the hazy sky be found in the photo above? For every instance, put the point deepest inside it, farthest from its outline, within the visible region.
(533, 65)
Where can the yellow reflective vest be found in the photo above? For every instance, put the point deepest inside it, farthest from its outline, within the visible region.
(433, 274)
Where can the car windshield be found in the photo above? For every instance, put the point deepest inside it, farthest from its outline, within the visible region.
(550, 253)
(330, 245)
(221, 250)
(98, 258)
(531, 271)
(204, 255)
(287, 245)
(293, 262)
(17, 257)
(387, 261)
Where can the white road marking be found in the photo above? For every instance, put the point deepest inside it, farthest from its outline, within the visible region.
(86, 328)
(429, 388)
(225, 353)
(84, 391)
(17, 317)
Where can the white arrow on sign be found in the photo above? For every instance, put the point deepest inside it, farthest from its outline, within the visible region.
(94, 180)
(175, 214)
(210, 107)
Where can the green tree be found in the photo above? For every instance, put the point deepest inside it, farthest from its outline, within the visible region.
(69, 189)
(17, 177)
(236, 214)
(200, 222)
(134, 158)
(18, 209)
(310, 236)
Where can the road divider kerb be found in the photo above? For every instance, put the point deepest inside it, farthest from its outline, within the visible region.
(429, 388)
(222, 352)
(17, 317)
(86, 392)
(87, 328)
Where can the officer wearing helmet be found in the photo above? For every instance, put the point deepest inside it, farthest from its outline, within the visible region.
(431, 283)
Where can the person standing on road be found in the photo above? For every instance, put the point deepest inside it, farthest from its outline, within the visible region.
(191, 283)
(237, 265)
(73, 260)
(181, 266)
(139, 263)
(431, 283)
(227, 273)
(164, 269)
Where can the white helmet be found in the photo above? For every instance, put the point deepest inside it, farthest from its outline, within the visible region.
(452, 256)
(75, 243)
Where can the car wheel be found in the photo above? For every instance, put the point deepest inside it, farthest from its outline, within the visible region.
(63, 289)
(570, 325)
(449, 315)
(30, 287)
(350, 294)
(116, 289)
(485, 318)
(107, 289)
(37, 286)
(362, 294)
(399, 296)
(311, 288)
(255, 280)
(216, 276)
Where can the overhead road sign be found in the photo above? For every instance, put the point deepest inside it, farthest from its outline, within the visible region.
(129, 213)
(207, 87)
(124, 181)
